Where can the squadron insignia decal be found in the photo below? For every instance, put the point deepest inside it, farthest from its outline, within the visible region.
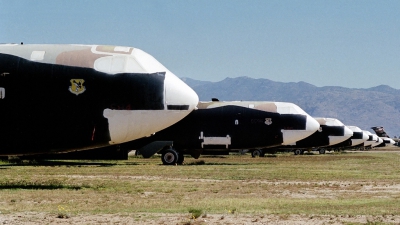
(268, 121)
(77, 86)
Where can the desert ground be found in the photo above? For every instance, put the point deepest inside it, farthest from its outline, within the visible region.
(351, 187)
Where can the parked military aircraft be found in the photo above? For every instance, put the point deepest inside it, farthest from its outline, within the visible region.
(226, 126)
(331, 131)
(355, 141)
(382, 134)
(359, 137)
(56, 98)
(373, 140)
(220, 127)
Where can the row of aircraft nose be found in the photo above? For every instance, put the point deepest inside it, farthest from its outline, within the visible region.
(63, 98)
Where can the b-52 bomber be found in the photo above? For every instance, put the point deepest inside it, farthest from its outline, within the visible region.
(355, 141)
(380, 131)
(220, 127)
(359, 137)
(59, 98)
(217, 128)
(373, 140)
(331, 132)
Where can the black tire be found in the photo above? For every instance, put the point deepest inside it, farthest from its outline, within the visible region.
(256, 153)
(137, 152)
(321, 151)
(170, 157)
(181, 158)
(298, 152)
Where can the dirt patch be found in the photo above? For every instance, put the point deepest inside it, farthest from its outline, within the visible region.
(32, 218)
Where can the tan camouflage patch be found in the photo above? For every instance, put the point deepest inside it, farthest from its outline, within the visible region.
(263, 106)
(267, 107)
(114, 49)
(81, 58)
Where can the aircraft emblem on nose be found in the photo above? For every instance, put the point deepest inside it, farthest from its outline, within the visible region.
(268, 121)
(77, 86)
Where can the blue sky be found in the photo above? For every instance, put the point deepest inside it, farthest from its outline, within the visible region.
(326, 43)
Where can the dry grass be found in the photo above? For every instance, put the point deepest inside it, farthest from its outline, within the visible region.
(332, 184)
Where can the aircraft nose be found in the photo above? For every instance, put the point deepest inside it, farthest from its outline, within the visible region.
(365, 136)
(347, 133)
(178, 95)
(358, 137)
(387, 140)
(292, 136)
(378, 141)
(312, 125)
(299, 126)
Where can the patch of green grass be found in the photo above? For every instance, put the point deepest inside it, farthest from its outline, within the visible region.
(195, 213)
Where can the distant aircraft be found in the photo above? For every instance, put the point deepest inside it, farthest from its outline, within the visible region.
(382, 134)
(372, 141)
(57, 98)
(359, 137)
(355, 141)
(221, 127)
(331, 132)
(218, 127)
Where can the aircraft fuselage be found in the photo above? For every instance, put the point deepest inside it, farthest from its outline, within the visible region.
(59, 104)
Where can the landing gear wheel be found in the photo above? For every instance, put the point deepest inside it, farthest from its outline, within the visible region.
(257, 153)
(170, 157)
(298, 152)
(181, 158)
(321, 151)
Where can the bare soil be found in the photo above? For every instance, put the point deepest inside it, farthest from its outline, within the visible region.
(32, 218)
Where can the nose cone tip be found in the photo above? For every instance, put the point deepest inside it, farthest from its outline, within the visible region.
(179, 93)
(190, 97)
(312, 125)
(347, 132)
(193, 99)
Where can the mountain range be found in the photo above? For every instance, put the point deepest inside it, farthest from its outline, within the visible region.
(365, 108)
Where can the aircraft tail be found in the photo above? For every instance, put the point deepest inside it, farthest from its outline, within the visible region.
(380, 131)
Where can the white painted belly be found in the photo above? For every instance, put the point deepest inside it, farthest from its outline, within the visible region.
(128, 125)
